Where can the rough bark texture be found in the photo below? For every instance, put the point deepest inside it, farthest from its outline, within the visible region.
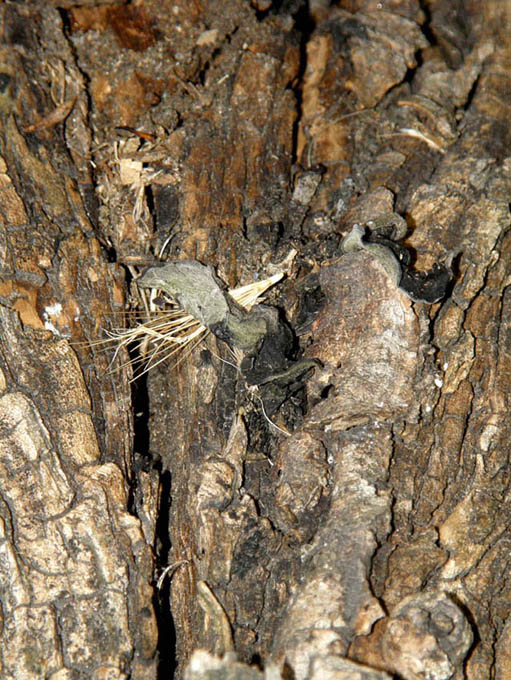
(362, 533)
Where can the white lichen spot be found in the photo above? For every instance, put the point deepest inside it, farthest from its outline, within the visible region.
(50, 314)
(439, 382)
(445, 365)
(53, 310)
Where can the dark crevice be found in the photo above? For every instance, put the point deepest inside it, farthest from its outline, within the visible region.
(66, 23)
(327, 391)
(293, 7)
(166, 628)
(410, 74)
(426, 26)
(149, 197)
(88, 191)
(110, 252)
(304, 25)
(140, 401)
(471, 94)
(141, 455)
(143, 460)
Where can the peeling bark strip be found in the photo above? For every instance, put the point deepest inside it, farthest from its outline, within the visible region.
(370, 373)
(370, 376)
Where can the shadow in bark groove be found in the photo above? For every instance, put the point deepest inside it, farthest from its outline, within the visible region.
(305, 25)
(166, 629)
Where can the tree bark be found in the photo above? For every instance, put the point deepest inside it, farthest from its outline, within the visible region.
(358, 530)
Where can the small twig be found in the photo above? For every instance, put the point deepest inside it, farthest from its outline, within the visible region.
(169, 569)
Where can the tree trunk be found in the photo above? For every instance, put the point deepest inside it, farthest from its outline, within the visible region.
(358, 527)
